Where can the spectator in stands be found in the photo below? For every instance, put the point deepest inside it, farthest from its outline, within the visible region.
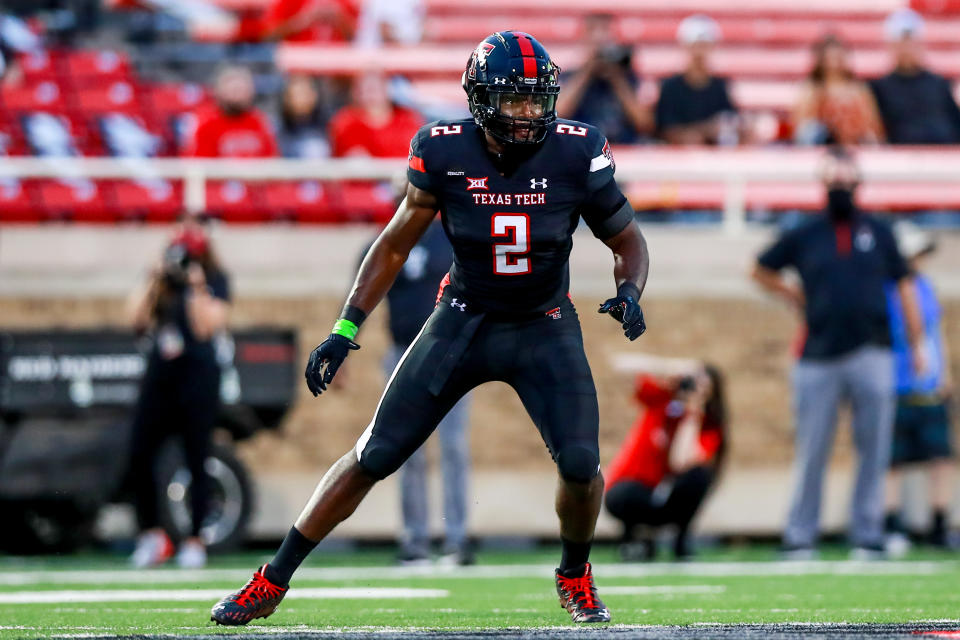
(306, 21)
(671, 457)
(834, 107)
(921, 432)
(301, 133)
(183, 306)
(845, 259)
(694, 106)
(233, 128)
(373, 125)
(916, 104)
(398, 22)
(603, 92)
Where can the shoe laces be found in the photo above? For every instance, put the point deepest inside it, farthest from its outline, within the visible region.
(581, 589)
(257, 590)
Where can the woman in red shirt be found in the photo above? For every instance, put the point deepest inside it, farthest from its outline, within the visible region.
(672, 455)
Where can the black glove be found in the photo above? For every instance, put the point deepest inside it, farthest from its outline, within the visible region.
(626, 310)
(326, 360)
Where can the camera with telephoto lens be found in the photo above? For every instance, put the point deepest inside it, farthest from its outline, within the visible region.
(176, 263)
(617, 54)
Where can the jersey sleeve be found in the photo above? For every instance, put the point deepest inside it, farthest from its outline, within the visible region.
(605, 209)
(418, 171)
(780, 254)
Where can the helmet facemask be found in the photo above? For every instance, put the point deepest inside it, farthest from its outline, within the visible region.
(516, 117)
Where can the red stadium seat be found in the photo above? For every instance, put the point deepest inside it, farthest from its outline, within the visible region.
(554, 29)
(119, 96)
(236, 201)
(936, 6)
(169, 104)
(12, 142)
(41, 96)
(99, 63)
(305, 201)
(153, 200)
(365, 201)
(37, 66)
(172, 99)
(77, 200)
(18, 202)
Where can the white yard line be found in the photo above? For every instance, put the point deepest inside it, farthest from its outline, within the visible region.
(703, 569)
(179, 595)
(663, 590)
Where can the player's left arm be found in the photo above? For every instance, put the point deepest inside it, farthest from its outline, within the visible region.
(631, 263)
(610, 216)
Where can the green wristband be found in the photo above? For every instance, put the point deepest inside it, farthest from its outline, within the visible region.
(346, 329)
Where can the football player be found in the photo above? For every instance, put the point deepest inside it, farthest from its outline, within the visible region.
(512, 184)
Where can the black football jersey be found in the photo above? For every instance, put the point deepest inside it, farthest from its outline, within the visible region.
(512, 234)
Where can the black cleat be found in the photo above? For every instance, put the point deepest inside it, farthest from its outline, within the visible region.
(257, 599)
(579, 597)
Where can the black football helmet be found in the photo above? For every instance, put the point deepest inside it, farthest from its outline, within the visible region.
(512, 86)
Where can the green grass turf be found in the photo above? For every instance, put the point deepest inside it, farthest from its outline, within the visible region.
(496, 602)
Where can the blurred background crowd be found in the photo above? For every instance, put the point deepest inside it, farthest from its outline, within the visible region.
(335, 78)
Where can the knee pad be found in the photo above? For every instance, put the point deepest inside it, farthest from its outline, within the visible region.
(578, 464)
(379, 460)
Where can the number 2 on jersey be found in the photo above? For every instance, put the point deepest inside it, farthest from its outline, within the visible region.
(507, 260)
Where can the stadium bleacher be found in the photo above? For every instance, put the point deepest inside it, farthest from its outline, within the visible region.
(90, 102)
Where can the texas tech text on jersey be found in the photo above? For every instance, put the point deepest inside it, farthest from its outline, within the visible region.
(512, 233)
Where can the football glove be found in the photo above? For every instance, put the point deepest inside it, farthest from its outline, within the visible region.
(325, 360)
(626, 310)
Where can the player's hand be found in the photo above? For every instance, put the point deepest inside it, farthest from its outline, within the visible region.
(626, 310)
(325, 360)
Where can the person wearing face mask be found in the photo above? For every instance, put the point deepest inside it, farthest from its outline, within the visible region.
(844, 260)
(233, 128)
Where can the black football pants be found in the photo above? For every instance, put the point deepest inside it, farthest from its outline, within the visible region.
(541, 356)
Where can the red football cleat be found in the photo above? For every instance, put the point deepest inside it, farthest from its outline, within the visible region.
(257, 599)
(579, 597)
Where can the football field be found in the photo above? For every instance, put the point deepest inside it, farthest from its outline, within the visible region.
(745, 593)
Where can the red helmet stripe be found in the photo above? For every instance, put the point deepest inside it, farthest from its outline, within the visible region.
(529, 57)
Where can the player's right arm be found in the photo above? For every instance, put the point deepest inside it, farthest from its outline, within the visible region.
(377, 272)
(389, 252)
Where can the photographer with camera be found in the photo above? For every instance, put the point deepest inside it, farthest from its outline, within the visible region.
(182, 306)
(603, 92)
(670, 459)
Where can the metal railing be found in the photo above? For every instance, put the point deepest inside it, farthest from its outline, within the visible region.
(734, 168)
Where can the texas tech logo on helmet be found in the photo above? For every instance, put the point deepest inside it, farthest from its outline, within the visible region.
(479, 59)
(483, 50)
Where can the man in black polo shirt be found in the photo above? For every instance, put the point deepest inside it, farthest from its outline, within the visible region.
(694, 106)
(844, 259)
(916, 105)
